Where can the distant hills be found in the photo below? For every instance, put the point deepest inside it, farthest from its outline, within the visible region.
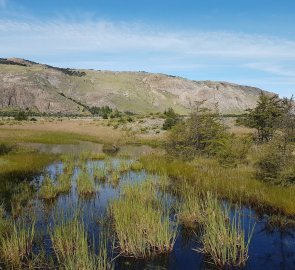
(42, 88)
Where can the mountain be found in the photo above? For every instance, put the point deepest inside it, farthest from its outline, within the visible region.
(42, 88)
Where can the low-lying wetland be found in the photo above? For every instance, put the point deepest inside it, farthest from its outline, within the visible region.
(88, 210)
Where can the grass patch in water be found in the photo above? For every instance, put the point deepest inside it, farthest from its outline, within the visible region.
(64, 183)
(114, 178)
(16, 247)
(48, 191)
(71, 247)
(142, 224)
(99, 173)
(85, 185)
(223, 237)
(136, 166)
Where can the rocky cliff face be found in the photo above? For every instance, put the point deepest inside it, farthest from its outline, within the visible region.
(24, 84)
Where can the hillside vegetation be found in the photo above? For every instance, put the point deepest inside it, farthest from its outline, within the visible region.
(41, 88)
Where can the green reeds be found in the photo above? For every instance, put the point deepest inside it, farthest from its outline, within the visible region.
(16, 247)
(48, 190)
(114, 178)
(223, 238)
(71, 247)
(85, 185)
(136, 166)
(5, 225)
(92, 156)
(99, 173)
(124, 166)
(64, 183)
(142, 224)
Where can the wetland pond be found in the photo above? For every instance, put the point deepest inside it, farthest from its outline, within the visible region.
(28, 200)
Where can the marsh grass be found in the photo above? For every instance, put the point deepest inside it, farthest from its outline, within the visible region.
(48, 190)
(224, 239)
(234, 184)
(64, 183)
(85, 185)
(71, 247)
(99, 173)
(16, 247)
(92, 156)
(136, 166)
(5, 224)
(24, 162)
(142, 225)
(124, 166)
(114, 179)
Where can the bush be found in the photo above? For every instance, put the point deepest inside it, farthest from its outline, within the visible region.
(276, 164)
(201, 133)
(21, 116)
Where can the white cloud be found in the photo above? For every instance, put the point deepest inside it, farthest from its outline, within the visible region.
(59, 37)
(122, 46)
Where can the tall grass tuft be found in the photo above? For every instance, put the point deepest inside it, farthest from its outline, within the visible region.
(136, 166)
(142, 223)
(71, 247)
(48, 190)
(16, 247)
(99, 173)
(224, 239)
(85, 185)
(114, 179)
(64, 183)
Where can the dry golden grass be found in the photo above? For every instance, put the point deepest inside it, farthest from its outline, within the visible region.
(69, 131)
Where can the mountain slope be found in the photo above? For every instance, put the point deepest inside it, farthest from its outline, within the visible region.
(25, 84)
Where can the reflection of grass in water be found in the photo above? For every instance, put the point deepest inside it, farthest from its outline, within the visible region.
(142, 223)
(16, 247)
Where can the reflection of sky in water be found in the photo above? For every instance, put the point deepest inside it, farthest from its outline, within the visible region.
(269, 250)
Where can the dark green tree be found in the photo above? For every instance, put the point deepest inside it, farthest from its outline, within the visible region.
(171, 119)
(266, 117)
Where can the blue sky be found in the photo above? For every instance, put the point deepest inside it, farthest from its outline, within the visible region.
(249, 42)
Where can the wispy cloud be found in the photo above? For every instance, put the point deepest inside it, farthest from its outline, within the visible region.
(138, 46)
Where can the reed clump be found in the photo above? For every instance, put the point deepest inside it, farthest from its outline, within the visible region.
(99, 173)
(114, 178)
(142, 224)
(85, 185)
(223, 237)
(124, 166)
(48, 190)
(16, 247)
(71, 247)
(64, 183)
(136, 166)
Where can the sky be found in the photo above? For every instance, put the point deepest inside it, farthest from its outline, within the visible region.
(249, 42)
